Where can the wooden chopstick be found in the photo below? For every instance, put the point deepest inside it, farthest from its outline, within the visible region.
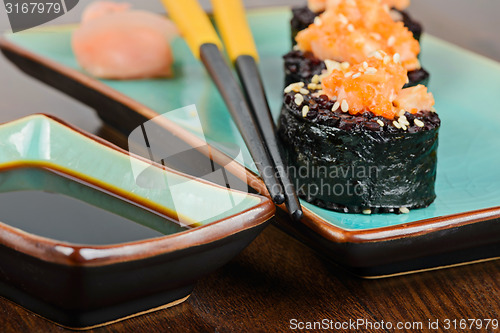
(254, 88)
(235, 101)
(204, 43)
(233, 26)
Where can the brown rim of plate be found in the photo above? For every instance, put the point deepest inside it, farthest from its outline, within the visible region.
(310, 219)
(82, 255)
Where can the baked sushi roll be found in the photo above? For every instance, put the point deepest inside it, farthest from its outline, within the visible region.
(350, 32)
(357, 142)
(304, 16)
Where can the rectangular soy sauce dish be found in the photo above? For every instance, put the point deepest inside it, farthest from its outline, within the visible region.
(461, 226)
(77, 276)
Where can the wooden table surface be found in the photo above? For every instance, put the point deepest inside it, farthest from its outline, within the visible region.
(277, 279)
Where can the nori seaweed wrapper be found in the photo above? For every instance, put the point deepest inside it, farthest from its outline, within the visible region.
(302, 17)
(301, 66)
(349, 163)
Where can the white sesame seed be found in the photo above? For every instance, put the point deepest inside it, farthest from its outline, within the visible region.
(365, 64)
(387, 59)
(336, 106)
(396, 124)
(294, 87)
(371, 70)
(419, 123)
(404, 210)
(317, 21)
(355, 76)
(305, 110)
(377, 55)
(343, 19)
(396, 58)
(299, 99)
(380, 122)
(344, 106)
(401, 112)
(403, 121)
(304, 91)
(318, 93)
(404, 127)
(345, 65)
(332, 65)
(311, 86)
(391, 41)
(367, 211)
(348, 74)
(315, 78)
(350, 27)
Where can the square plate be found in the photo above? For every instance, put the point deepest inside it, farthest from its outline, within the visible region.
(462, 225)
(48, 269)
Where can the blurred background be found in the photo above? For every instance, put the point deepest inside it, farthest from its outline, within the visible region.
(473, 25)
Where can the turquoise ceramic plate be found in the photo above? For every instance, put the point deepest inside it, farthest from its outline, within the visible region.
(41, 142)
(464, 84)
(106, 269)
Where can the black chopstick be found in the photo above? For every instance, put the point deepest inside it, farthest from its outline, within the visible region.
(253, 87)
(235, 101)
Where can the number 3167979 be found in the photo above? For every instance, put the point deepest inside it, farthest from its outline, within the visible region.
(33, 7)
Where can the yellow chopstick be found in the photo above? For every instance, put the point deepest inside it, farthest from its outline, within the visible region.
(233, 26)
(193, 23)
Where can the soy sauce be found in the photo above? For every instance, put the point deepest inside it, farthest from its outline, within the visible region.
(47, 204)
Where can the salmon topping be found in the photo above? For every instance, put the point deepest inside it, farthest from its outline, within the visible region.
(353, 29)
(318, 6)
(375, 85)
(414, 99)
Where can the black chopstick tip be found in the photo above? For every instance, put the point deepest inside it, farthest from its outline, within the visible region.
(297, 215)
(278, 198)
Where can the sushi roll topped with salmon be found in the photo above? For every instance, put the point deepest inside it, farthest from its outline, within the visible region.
(319, 6)
(357, 141)
(304, 16)
(349, 31)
